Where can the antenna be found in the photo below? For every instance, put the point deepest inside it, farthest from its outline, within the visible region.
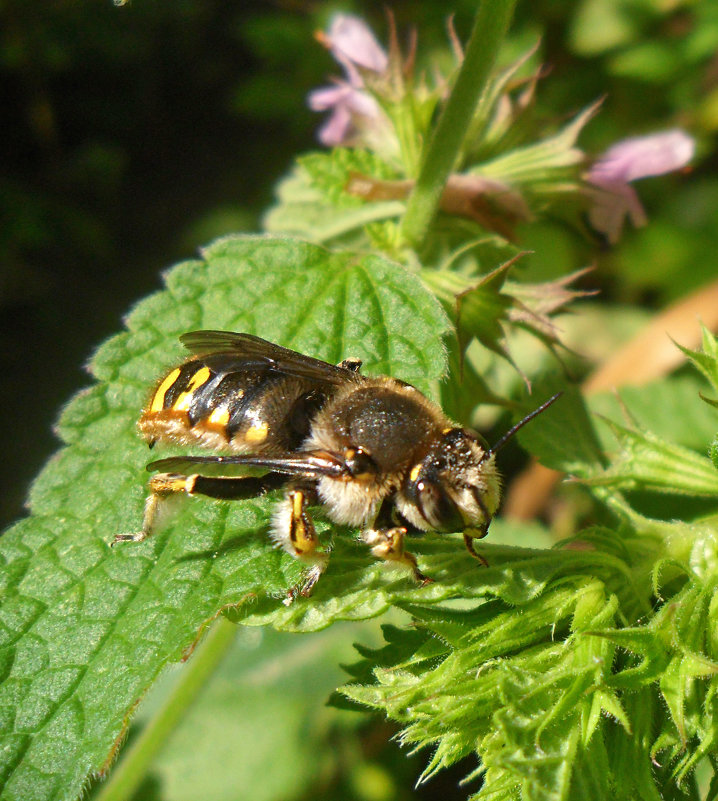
(529, 417)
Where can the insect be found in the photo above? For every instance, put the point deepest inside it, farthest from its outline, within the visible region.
(372, 450)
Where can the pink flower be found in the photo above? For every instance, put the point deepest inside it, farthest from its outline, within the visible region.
(354, 46)
(351, 109)
(352, 43)
(639, 157)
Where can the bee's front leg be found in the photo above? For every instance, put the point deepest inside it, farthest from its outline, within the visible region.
(469, 543)
(388, 544)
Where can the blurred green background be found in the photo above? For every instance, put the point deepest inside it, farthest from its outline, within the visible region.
(133, 135)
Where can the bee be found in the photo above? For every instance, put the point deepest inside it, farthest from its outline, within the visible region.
(373, 451)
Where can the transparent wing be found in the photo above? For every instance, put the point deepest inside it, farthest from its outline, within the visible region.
(249, 352)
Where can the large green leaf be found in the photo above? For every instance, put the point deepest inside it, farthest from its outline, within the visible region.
(84, 629)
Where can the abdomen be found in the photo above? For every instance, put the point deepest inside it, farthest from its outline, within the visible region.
(199, 403)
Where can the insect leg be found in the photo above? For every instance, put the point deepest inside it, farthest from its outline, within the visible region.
(388, 544)
(236, 489)
(469, 543)
(293, 530)
(165, 485)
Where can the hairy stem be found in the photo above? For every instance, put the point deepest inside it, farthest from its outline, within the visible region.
(490, 26)
(132, 768)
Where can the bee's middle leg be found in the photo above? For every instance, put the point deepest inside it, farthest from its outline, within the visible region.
(293, 530)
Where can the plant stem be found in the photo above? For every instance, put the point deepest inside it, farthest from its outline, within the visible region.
(490, 26)
(132, 768)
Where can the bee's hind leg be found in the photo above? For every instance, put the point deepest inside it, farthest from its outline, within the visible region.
(166, 485)
(293, 530)
(162, 485)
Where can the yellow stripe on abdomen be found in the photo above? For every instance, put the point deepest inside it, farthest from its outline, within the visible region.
(219, 416)
(184, 400)
(257, 433)
(158, 400)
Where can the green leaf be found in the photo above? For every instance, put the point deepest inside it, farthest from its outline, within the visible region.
(667, 407)
(490, 131)
(550, 163)
(478, 306)
(590, 777)
(674, 649)
(706, 361)
(270, 692)
(515, 688)
(486, 308)
(629, 753)
(86, 629)
(526, 680)
(330, 173)
(303, 209)
(563, 437)
(646, 461)
(465, 389)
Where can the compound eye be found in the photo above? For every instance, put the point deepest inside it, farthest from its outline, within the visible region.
(437, 507)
